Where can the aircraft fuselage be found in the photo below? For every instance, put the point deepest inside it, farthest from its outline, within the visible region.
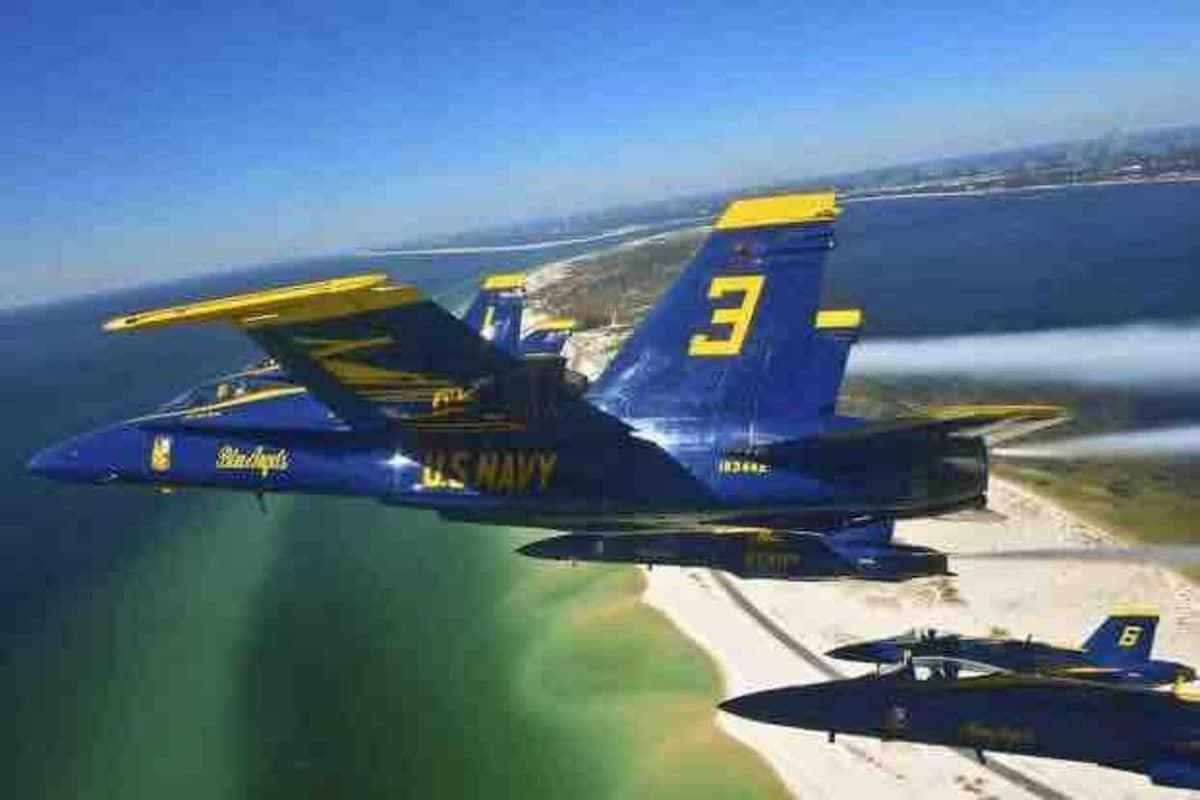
(549, 479)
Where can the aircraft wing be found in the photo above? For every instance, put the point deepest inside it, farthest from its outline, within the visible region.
(993, 423)
(375, 353)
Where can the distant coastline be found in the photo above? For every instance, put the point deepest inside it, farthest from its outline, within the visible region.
(704, 221)
(870, 195)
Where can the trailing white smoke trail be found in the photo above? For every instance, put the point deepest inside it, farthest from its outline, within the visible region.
(1173, 555)
(1161, 354)
(666, 226)
(1176, 441)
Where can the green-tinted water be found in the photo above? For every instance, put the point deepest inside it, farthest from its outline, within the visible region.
(339, 648)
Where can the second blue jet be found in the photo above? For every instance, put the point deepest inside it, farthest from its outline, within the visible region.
(1117, 652)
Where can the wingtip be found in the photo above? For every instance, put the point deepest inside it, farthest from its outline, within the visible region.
(296, 302)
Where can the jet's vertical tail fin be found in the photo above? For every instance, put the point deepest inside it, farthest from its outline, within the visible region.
(739, 336)
(495, 313)
(1126, 637)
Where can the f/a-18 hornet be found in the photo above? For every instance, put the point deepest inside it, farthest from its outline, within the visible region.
(1134, 728)
(1117, 652)
(711, 437)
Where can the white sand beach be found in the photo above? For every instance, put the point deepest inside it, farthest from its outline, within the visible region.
(1052, 600)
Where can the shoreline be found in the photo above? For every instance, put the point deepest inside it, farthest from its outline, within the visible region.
(766, 634)
(601, 666)
(671, 226)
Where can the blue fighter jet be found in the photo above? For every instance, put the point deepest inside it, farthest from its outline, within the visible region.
(1134, 728)
(1118, 651)
(717, 416)
(496, 314)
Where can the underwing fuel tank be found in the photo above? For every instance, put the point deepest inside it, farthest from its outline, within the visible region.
(797, 557)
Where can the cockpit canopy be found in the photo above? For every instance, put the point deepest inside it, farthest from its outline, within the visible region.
(225, 389)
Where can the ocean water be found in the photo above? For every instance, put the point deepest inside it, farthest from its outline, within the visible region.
(192, 646)
(1088, 255)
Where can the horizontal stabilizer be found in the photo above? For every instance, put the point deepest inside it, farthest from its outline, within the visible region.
(979, 515)
(993, 423)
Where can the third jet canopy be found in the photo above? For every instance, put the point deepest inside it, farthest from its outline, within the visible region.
(1117, 652)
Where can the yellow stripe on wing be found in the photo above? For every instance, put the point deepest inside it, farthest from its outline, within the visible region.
(304, 302)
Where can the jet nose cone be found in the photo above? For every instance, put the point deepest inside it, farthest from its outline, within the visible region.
(818, 706)
(772, 706)
(557, 547)
(536, 549)
(747, 705)
(847, 652)
(97, 457)
(57, 461)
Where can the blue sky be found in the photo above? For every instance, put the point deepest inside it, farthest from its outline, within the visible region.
(141, 143)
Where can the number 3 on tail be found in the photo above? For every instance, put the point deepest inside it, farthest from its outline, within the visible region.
(738, 317)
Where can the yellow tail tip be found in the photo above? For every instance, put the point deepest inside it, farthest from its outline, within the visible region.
(504, 280)
(557, 324)
(782, 209)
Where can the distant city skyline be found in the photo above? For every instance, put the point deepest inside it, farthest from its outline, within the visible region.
(144, 145)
